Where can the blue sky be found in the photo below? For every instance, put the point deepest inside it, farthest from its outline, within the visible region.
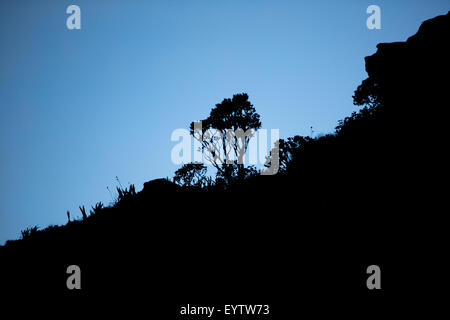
(80, 107)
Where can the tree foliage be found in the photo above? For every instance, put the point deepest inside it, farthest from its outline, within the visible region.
(225, 135)
(192, 175)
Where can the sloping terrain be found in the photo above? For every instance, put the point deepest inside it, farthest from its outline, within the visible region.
(366, 194)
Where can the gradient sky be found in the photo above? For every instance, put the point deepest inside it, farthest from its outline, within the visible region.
(80, 107)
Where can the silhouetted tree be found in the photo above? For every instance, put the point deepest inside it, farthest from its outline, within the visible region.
(226, 133)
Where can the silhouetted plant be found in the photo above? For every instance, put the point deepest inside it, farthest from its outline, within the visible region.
(97, 208)
(224, 148)
(120, 184)
(287, 150)
(29, 232)
(191, 175)
(126, 193)
(231, 173)
(83, 212)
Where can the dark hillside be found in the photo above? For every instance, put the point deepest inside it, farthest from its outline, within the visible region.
(365, 194)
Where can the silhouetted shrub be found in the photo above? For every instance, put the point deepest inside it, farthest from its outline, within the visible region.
(83, 212)
(97, 208)
(192, 175)
(125, 193)
(29, 232)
